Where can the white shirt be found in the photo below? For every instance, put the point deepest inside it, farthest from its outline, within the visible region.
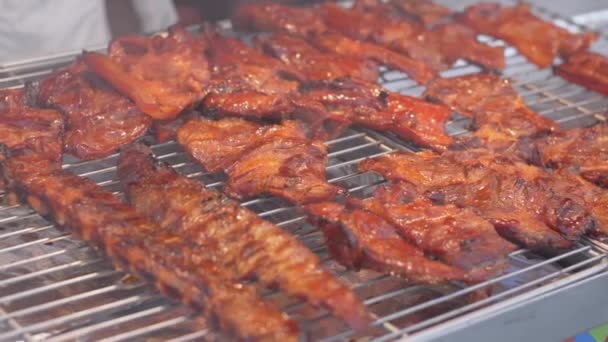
(34, 28)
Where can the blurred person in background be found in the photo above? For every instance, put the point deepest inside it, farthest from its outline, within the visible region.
(37, 28)
(34, 28)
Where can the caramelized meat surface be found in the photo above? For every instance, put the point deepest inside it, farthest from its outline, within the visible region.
(456, 41)
(98, 120)
(23, 126)
(260, 159)
(269, 16)
(374, 36)
(237, 244)
(456, 236)
(244, 84)
(583, 149)
(162, 75)
(438, 42)
(139, 246)
(497, 110)
(594, 197)
(538, 40)
(516, 198)
(587, 69)
(425, 11)
(313, 64)
(369, 105)
(359, 239)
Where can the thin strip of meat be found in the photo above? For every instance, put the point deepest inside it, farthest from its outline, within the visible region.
(336, 43)
(497, 110)
(237, 243)
(308, 23)
(425, 11)
(440, 41)
(98, 120)
(582, 149)
(275, 159)
(456, 236)
(313, 64)
(516, 198)
(371, 106)
(359, 239)
(595, 198)
(371, 36)
(538, 40)
(24, 126)
(269, 16)
(24, 129)
(586, 68)
(137, 245)
(245, 84)
(162, 75)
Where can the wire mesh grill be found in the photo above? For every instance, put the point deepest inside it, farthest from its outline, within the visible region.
(54, 287)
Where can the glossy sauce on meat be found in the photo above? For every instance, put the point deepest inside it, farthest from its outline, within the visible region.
(359, 239)
(237, 244)
(260, 159)
(456, 236)
(99, 120)
(137, 245)
(538, 40)
(162, 75)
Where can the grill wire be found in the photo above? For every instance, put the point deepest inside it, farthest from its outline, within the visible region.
(54, 287)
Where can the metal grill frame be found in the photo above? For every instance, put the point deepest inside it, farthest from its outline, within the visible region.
(32, 250)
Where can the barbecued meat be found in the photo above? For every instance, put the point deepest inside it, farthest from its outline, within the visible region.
(268, 16)
(260, 159)
(538, 40)
(359, 239)
(232, 53)
(234, 241)
(165, 130)
(456, 41)
(342, 45)
(442, 42)
(583, 149)
(424, 11)
(360, 30)
(594, 198)
(369, 105)
(587, 69)
(162, 75)
(252, 104)
(313, 64)
(98, 120)
(244, 84)
(456, 236)
(137, 245)
(32, 135)
(492, 103)
(516, 198)
(23, 126)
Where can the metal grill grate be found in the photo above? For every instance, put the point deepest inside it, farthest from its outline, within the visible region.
(54, 287)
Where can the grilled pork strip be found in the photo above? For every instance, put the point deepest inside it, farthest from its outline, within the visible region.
(458, 237)
(582, 149)
(237, 244)
(135, 244)
(162, 75)
(586, 68)
(538, 40)
(517, 198)
(359, 239)
(498, 112)
(98, 119)
(275, 159)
